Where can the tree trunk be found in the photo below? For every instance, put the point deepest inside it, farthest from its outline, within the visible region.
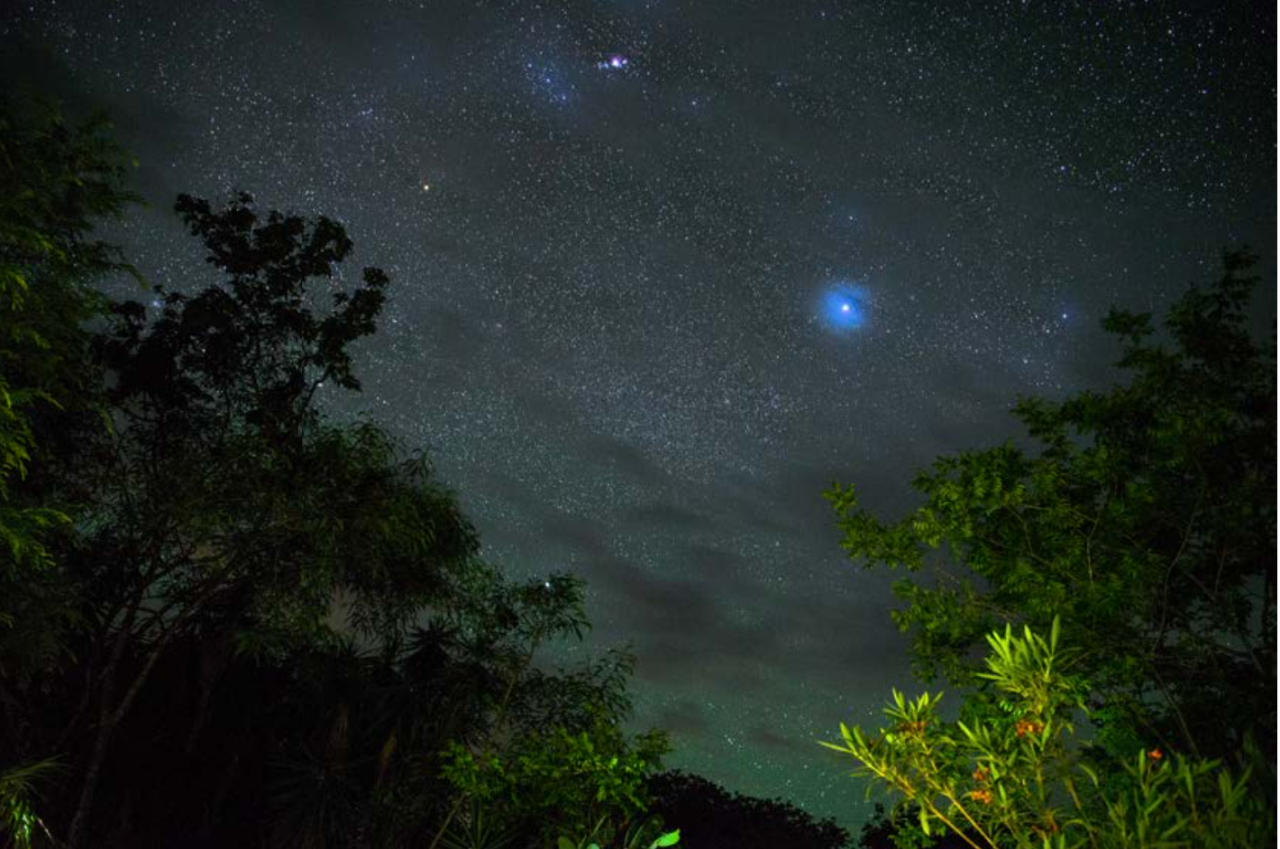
(107, 719)
(214, 657)
(90, 784)
(112, 718)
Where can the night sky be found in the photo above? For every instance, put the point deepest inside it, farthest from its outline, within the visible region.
(662, 271)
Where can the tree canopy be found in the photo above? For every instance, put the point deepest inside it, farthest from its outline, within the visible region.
(56, 179)
(1143, 516)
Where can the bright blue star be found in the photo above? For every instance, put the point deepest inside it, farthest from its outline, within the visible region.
(844, 307)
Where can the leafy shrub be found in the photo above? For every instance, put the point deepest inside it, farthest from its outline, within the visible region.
(589, 786)
(1011, 775)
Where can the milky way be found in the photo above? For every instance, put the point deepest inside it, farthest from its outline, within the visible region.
(613, 229)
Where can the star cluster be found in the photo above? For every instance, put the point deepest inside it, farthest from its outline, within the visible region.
(664, 270)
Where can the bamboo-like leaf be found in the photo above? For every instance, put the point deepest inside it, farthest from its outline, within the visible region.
(1171, 831)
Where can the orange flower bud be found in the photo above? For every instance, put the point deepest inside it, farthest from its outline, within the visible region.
(1155, 754)
(1026, 726)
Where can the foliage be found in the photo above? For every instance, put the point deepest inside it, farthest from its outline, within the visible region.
(57, 179)
(469, 678)
(711, 817)
(252, 352)
(220, 501)
(900, 829)
(669, 838)
(229, 471)
(574, 698)
(590, 785)
(1145, 518)
(1016, 779)
(21, 827)
(465, 678)
(477, 829)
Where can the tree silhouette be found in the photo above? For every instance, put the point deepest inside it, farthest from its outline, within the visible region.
(1143, 516)
(710, 817)
(221, 496)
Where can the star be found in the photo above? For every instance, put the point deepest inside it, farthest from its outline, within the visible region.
(843, 307)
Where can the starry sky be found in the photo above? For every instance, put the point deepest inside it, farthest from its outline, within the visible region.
(665, 269)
